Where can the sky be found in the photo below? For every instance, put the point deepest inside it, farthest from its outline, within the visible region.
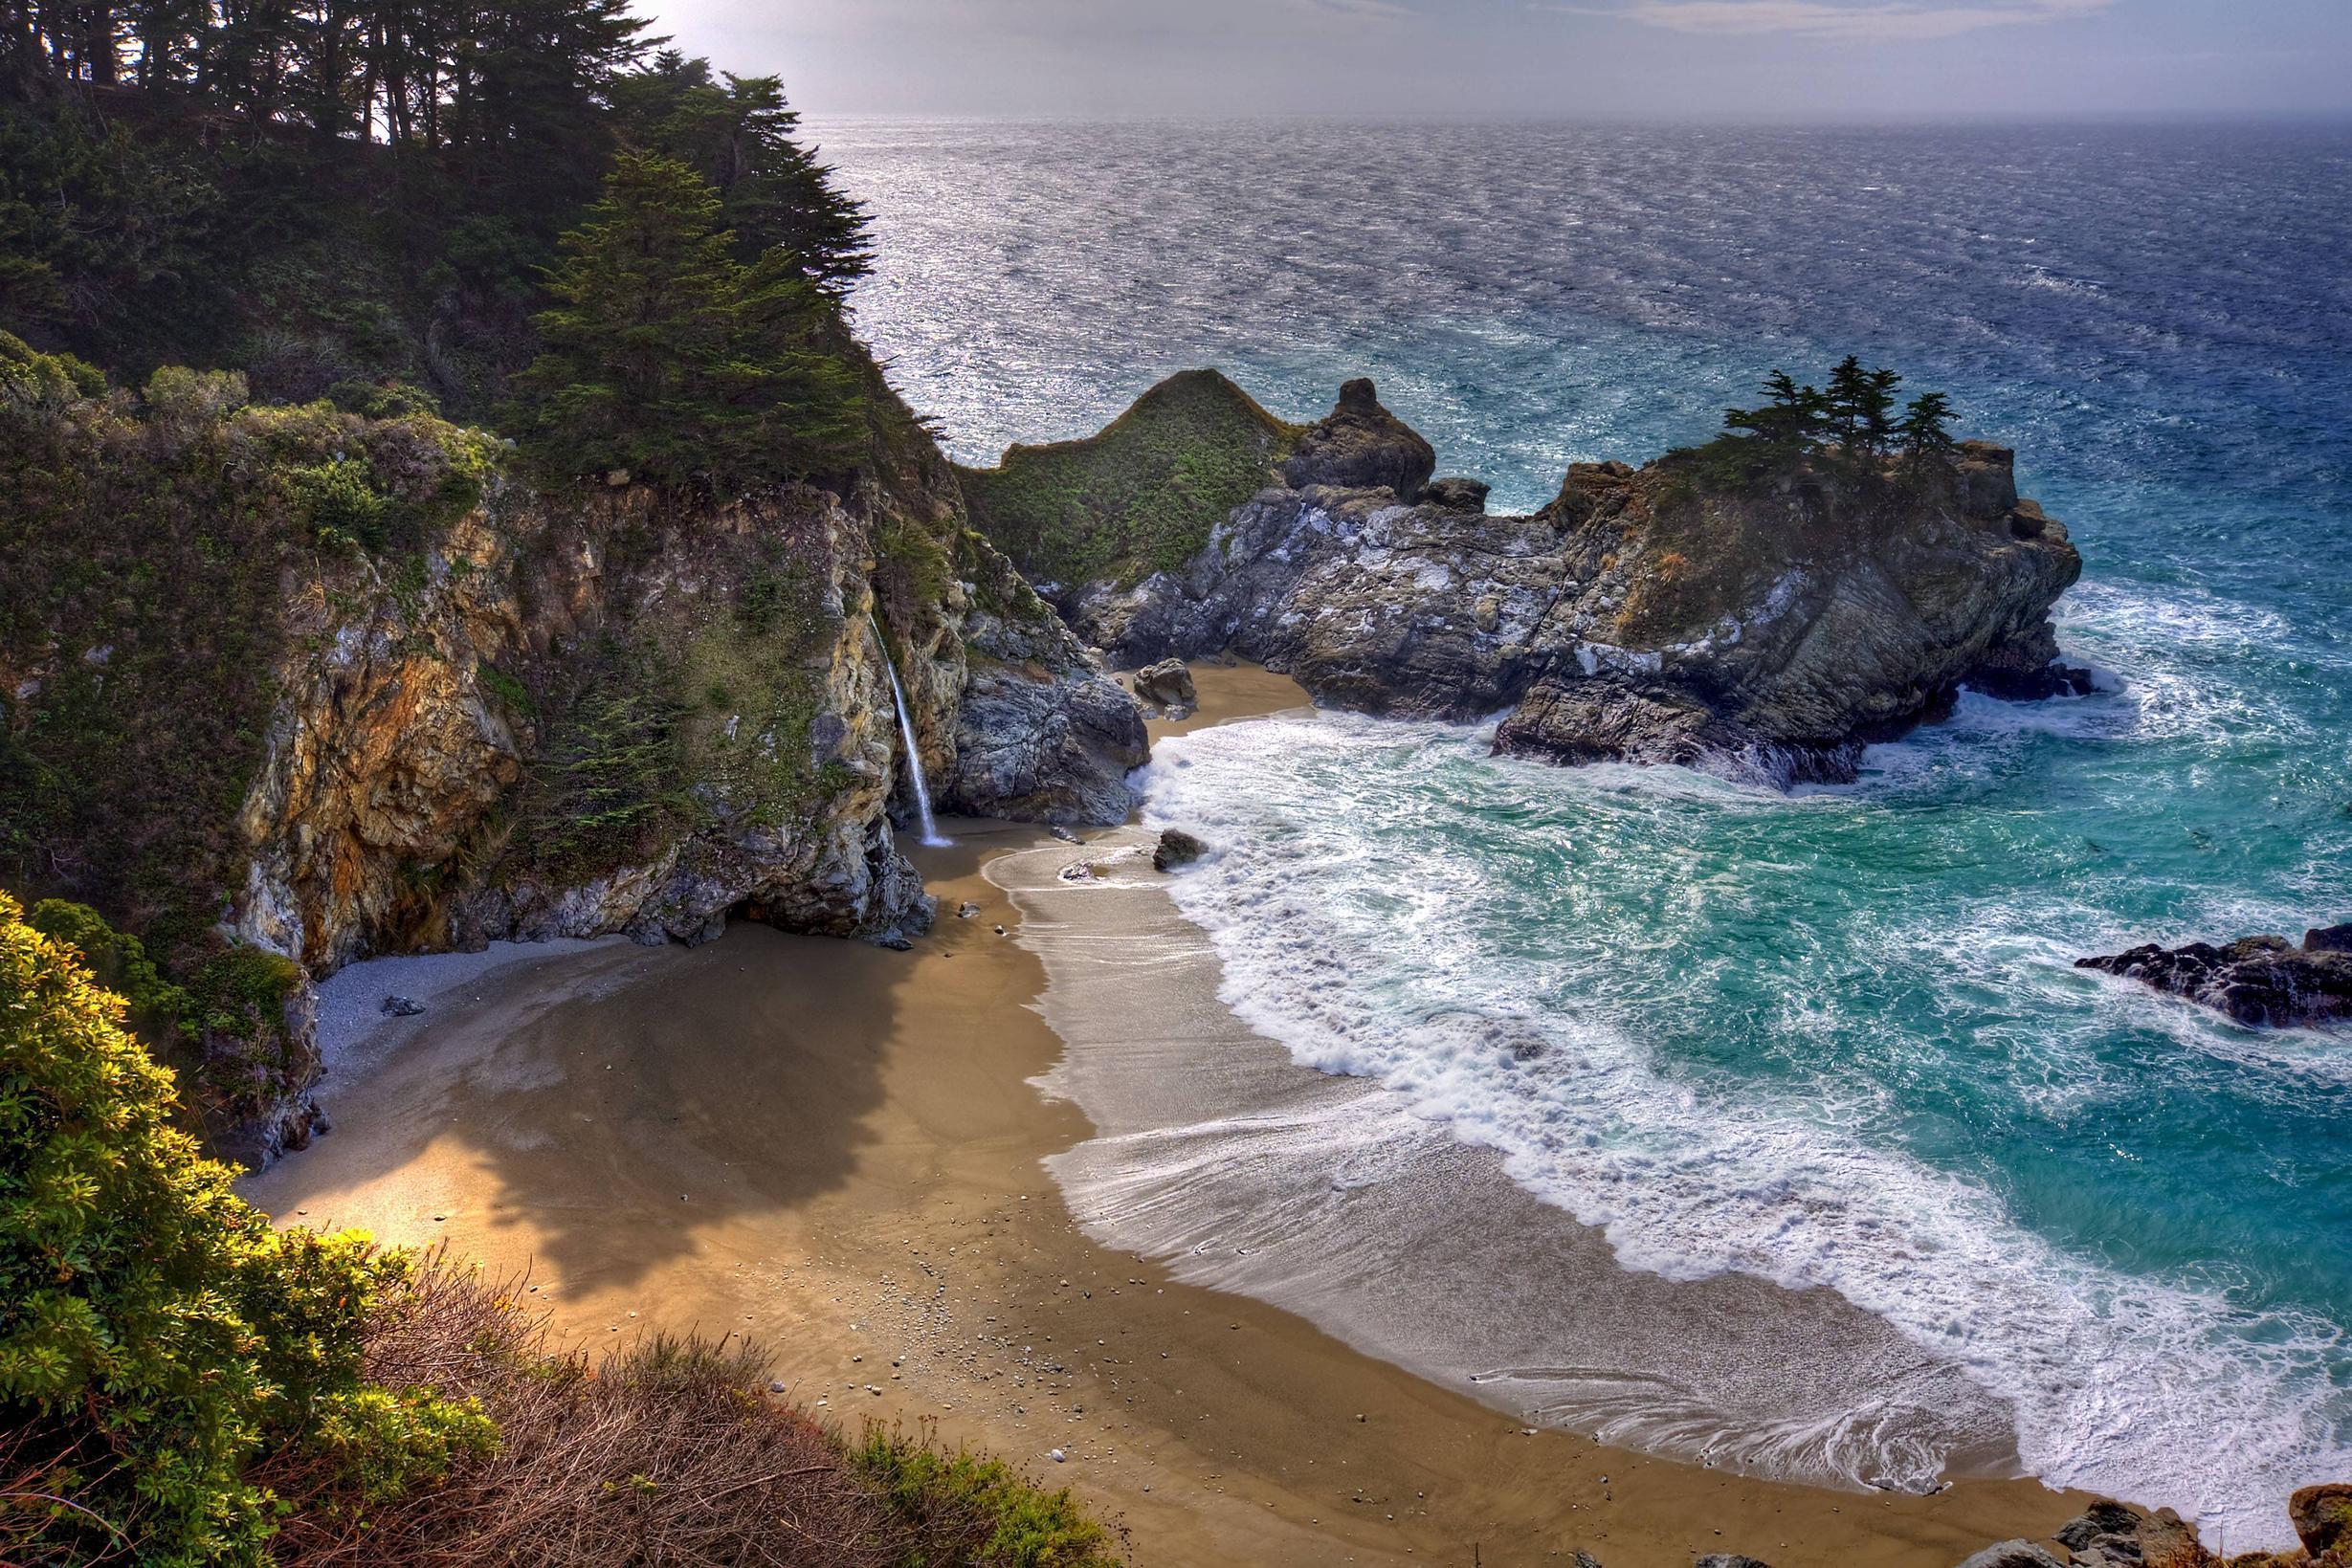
(1672, 59)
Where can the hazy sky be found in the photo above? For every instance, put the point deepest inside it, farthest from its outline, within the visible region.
(1662, 59)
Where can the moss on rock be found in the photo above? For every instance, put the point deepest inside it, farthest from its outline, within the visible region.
(1141, 496)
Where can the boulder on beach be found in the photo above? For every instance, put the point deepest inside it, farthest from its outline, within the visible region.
(1167, 686)
(2257, 980)
(401, 1007)
(1729, 1560)
(2114, 1535)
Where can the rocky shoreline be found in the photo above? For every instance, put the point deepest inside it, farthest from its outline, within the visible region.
(2261, 981)
(1660, 614)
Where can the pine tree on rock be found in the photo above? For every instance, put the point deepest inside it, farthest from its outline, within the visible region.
(670, 360)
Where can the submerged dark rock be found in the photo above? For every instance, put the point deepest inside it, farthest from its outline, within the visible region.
(2258, 981)
(1765, 627)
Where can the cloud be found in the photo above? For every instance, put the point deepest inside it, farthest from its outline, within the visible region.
(1870, 19)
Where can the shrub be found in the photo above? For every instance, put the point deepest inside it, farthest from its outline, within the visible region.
(155, 1333)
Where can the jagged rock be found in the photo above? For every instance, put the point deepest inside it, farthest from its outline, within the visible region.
(2322, 1514)
(2257, 980)
(1167, 686)
(1729, 1560)
(966, 911)
(1456, 493)
(1043, 734)
(1766, 628)
(1064, 834)
(2112, 1534)
(1176, 848)
(2018, 1554)
(401, 1007)
(1361, 446)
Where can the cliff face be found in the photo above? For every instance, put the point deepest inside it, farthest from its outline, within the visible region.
(239, 727)
(1655, 615)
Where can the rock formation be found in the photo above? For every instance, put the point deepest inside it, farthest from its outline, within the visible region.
(289, 684)
(1664, 614)
(2258, 981)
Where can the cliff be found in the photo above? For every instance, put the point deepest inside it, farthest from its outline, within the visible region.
(1661, 614)
(286, 687)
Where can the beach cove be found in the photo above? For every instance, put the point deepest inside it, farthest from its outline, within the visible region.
(839, 1151)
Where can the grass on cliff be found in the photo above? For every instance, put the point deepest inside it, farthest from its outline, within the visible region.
(666, 1452)
(1141, 496)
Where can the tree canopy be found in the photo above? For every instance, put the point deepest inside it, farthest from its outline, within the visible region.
(1854, 421)
(669, 358)
(317, 192)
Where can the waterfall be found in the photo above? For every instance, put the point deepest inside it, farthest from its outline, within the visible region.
(906, 732)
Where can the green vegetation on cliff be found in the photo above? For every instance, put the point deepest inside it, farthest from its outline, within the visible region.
(357, 194)
(143, 622)
(1141, 496)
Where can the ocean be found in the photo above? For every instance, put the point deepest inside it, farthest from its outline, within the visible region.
(1832, 1040)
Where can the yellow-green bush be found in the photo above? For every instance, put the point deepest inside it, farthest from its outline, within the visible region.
(156, 1333)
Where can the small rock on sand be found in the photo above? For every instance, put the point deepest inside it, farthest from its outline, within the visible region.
(401, 1007)
(1056, 1455)
(1064, 834)
(1176, 848)
(966, 911)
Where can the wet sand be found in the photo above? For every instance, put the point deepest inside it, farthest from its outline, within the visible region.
(838, 1151)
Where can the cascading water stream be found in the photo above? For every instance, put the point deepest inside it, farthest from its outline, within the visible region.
(906, 734)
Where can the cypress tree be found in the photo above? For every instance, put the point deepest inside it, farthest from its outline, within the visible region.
(668, 357)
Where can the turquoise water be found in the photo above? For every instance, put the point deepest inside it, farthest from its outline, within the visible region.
(1834, 1038)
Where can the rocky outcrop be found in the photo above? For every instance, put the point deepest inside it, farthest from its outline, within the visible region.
(2322, 1514)
(2016, 1553)
(2257, 980)
(1665, 614)
(1360, 445)
(1042, 734)
(418, 704)
(1176, 848)
(2112, 1534)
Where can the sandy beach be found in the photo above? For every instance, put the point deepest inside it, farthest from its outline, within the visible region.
(841, 1152)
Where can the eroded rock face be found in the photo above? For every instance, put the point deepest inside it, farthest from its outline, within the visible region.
(616, 713)
(2258, 981)
(1042, 733)
(1360, 445)
(1649, 615)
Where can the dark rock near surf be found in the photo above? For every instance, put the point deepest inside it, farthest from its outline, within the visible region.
(1729, 1560)
(2257, 980)
(1360, 445)
(1176, 848)
(402, 1007)
(1764, 629)
(2112, 1534)
(2322, 1514)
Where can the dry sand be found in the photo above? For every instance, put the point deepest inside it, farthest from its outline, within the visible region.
(837, 1150)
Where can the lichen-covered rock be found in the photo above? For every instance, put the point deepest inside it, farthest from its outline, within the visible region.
(1663, 614)
(2322, 1514)
(1042, 733)
(2257, 980)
